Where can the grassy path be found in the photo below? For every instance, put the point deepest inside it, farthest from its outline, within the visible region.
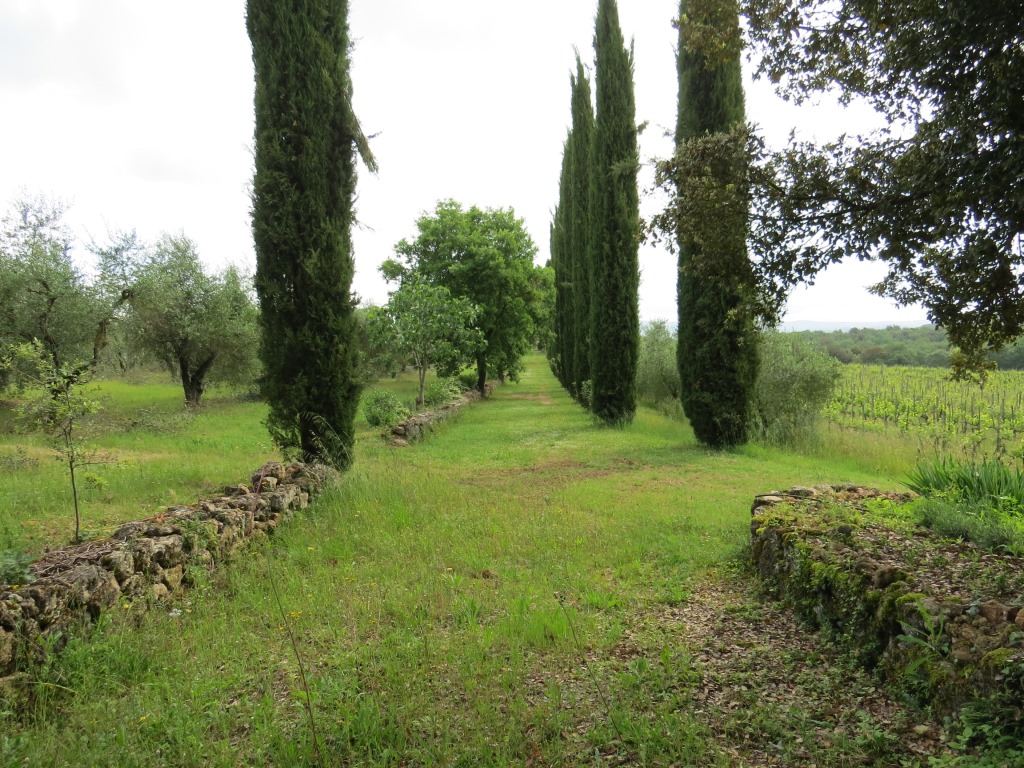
(524, 588)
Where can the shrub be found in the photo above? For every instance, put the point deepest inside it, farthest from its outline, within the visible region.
(441, 391)
(383, 409)
(468, 379)
(795, 382)
(14, 568)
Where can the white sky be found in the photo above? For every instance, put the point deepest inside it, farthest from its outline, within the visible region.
(139, 114)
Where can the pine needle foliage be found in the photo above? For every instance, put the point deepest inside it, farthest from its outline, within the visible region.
(615, 227)
(306, 141)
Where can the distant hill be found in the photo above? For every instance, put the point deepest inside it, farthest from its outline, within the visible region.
(815, 325)
(893, 344)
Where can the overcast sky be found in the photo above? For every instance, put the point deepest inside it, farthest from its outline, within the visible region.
(138, 113)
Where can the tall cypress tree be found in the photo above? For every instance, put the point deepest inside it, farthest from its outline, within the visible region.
(306, 140)
(717, 352)
(580, 234)
(562, 260)
(615, 223)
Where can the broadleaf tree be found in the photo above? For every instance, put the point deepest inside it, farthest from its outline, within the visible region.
(200, 326)
(306, 141)
(615, 227)
(426, 325)
(937, 195)
(44, 295)
(485, 256)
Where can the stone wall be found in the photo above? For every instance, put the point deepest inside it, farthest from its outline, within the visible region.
(145, 561)
(942, 619)
(418, 425)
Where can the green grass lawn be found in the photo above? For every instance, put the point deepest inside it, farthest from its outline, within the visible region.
(500, 594)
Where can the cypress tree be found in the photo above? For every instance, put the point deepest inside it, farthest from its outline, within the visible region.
(717, 351)
(561, 259)
(615, 224)
(306, 139)
(579, 234)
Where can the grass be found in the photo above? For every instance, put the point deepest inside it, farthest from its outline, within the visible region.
(509, 592)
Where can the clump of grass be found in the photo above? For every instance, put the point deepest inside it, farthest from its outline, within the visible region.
(990, 482)
(977, 522)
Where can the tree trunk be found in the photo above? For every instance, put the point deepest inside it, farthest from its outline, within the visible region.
(194, 382)
(481, 374)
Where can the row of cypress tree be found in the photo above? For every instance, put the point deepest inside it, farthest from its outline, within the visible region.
(595, 234)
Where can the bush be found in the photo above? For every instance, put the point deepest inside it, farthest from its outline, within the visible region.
(383, 409)
(657, 371)
(795, 383)
(441, 391)
(467, 379)
(14, 568)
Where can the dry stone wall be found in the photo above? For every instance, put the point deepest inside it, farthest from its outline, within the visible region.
(145, 561)
(418, 425)
(943, 619)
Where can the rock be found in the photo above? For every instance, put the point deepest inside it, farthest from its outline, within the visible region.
(134, 586)
(236, 490)
(887, 575)
(173, 576)
(962, 654)
(993, 612)
(120, 562)
(803, 491)
(93, 588)
(6, 648)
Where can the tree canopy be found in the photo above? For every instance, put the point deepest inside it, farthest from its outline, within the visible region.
(485, 256)
(424, 324)
(44, 296)
(199, 325)
(938, 196)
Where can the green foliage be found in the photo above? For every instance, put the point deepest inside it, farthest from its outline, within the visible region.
(424, 324)
(303, 191)
(978, 522)
(991, 482)
(441, 391)
(382, 408)
(718, 349)
(614, 218)
(571, 239)
(197, 325)
(947, 78)
(56, 406)
(657, 374)
(796, 380)
(486, 258)
(14, 568)
(44, 296)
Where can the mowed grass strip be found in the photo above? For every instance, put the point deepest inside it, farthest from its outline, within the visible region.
(482, 598)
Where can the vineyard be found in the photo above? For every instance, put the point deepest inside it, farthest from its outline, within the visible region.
(944, 417)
